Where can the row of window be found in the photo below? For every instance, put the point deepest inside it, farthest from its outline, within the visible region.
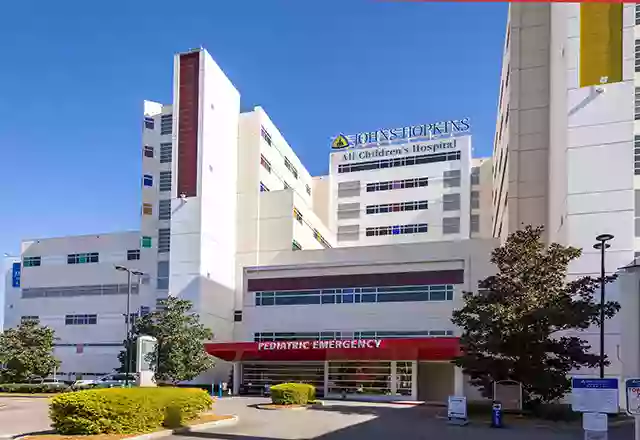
(91, 257)
(166, 152)
(433, 292)
(69, 291)
(80, 319)
(342, 335)
(398, 162)
(287, 163)
(450, 225)
(398, 207)
(86, 319)
(419, 228)
(389, 185)
(85, 257)
(166, 123)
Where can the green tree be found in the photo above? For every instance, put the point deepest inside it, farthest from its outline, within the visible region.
(27, 352)
(522, 324)
(180, 335)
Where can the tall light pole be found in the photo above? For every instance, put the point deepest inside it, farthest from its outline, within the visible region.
(602, 245)
(127, 320)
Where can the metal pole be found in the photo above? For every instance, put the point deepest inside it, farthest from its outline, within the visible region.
(602, 270)
(127, 319)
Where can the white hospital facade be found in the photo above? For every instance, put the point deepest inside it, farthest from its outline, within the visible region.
(333, 279)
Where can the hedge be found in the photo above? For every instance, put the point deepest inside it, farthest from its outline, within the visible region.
(125, 410)
(33, 388)
(293, 394)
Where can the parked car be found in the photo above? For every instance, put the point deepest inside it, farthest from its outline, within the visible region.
(109, 381)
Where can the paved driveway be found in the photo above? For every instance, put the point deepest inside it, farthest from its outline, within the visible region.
(23, 415)
(340, 420)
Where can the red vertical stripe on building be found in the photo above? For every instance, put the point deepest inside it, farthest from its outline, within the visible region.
(188, 124)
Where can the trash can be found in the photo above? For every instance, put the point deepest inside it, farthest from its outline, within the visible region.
(496, 415)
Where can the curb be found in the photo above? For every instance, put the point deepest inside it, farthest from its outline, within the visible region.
(266, 407)
(158, 434)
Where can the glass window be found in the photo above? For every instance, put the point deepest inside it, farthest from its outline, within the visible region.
(147, 180)
(148, 151)
(164, 240)
(148, 123)
(165, 181)
(308, 189)
(164, 209)
(133, 254)
(166, 152)
(295, 246)
(266, 136)
(147, 209)
(166, 124)
(145, 242)
(91, 257)
(265, 163)
(451, 202)
(475, 200)
(451, 225)
(263, 187)
(451, 179)
(475, 176)
(475, 223)
(31, 261)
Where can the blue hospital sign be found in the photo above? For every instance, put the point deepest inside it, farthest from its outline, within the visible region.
(15, 274)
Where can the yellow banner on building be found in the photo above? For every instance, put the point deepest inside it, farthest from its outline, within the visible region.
(600, 43)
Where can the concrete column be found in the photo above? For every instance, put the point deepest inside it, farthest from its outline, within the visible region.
(458, 381)
(237, 377)
(414, 380)
(326, 379)
(394, 378)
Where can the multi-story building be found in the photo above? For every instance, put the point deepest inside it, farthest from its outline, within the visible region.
(564, 145)
(420, 186)
(223, 191)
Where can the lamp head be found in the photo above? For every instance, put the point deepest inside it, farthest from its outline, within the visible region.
(599, 245)
(604, 237)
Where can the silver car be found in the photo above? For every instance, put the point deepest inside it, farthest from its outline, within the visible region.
(114, 380)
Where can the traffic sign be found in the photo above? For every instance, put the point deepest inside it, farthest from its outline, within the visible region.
(632, 387)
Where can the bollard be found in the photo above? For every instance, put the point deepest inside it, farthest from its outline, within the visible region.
(496, 415)
(220, 389)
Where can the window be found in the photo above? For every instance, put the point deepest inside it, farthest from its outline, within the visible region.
(147, 180)
(165, 181)
(29, 318)
(164, 240)
(475, 176)
(147, 209)
(475, 223)
(297, 215)
(133, 254)
(290, 167)
(475, 200)
(398, 207)
(389, 185)
(265, 163)
(348, 233)
(31, 261)
(263, 187)
(341, 335)
(419, 228)
(286, 185)
(636, 155)
(637, 104)
(148, 151)
(451, 225)
(348, 211)
(402, 161)
(451, 179)
(90, 257)
(349, 189)
(163, 275)
(166, 152)
(451, 202)
(148, 123)
(72, 291)
(164, 209)
(237, 316)
(80, 319)
(145, 241)
(295, 246)
(320, 239)
(145, 310)
(357, 295)
(266, 136)
(308, 189)
(166, 124)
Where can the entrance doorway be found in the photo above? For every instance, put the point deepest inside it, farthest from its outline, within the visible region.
(256, 375)
(435, 381)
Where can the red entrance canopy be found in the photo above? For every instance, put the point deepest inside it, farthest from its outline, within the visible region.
(432, 349)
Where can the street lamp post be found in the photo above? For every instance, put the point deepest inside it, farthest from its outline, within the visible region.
(602, 245)
(127, 320)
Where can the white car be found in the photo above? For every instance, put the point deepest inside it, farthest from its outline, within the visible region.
(108, 381)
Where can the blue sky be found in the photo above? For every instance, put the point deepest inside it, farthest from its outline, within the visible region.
(75, 74)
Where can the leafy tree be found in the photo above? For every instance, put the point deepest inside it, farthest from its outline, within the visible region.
(515, 327)
(180, 335)
(27, 352)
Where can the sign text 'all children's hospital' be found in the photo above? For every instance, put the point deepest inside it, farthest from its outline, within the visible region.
(393, 135)
(318, 345)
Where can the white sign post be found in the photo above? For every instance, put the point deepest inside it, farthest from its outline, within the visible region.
(457, 410)
(632, 387)
(596, 398)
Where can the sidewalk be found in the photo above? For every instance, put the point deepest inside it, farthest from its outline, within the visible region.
(23, 415)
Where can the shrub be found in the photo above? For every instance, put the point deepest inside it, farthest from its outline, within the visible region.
(33, 388)
(125, 410)
(293, 394)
